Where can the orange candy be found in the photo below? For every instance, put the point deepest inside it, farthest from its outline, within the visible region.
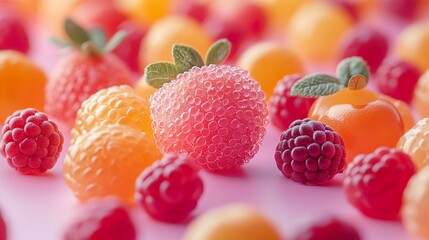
(267, 63)
(22, 84)
(316, 29)
(107, 160)
(415, 143)
(363, 119)
(404, 110)
(53, 13)
(421, 96)
(156, 45)
(413, 45)
(145, 12)
(144, 90)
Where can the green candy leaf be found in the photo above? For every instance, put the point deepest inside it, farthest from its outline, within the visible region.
(156, 74)
(218, 52)
(349, 67)
(316, 85)
(98, 37)
(76, 33)
(59, 42)
(114, 41)
(186, 57)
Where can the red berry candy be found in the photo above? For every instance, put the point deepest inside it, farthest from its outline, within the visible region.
(102, 219)
(128, 49)
(194, 9)
(3, 232)
(13, 35)
(375, 182)
(310, 152)
(329, 229)
(170, 188)
(397, 79)
(365, 42)
(402, 9)
(284, 108)
(349, 6)
(30, 142)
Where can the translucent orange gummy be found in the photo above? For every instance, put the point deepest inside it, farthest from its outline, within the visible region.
(412, 45)
(421, 96)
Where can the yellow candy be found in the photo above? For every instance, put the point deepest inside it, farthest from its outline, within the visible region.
(145, 11)
(415, 143)
(316, 29)
(233, 222)
(421, 96)
(413, 45)
(415, 206)
(269, 62)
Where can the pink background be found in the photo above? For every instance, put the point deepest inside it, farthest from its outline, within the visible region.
(40, 207)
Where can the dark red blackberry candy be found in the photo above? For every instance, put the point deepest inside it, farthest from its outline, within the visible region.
(375, 182)
(284, 108)
(329, 229)
(102, 219)
(397, 78)
(30, 142)
(170, 188)
(310, 152)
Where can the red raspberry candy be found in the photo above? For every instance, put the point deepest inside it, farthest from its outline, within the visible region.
(30, 142)
(397, 79)
(329, 229)
(170, 188)
(375, 182)
(13, 35)
(284, 108)
(310, 152)
(3, 232)
(365, 42)
(102, 219)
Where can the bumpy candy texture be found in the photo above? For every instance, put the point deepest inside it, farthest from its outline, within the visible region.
(77, 77)
(310, 152)
(415, 208)
(415, 143)
(284, 108)
(13, 35)
(329, 229)
(365, 42)
(102, 219)
(107, 161)
(170, 188)
(3, 231)
(114, 105)
(216, 115)
(30, 142)
(375, 182)
(397, 79)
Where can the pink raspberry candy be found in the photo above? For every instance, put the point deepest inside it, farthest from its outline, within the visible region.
(375, 182)
(3, 231)
(284, 108)
(170, 188)
(329, 229)
(13, 35)
(102, 219)
(30, 142)
(216, 115)
(310, 152)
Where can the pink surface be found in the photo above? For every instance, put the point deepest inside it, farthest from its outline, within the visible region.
(39, 207)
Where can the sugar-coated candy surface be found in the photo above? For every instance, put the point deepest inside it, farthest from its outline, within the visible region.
(375, 182)
(232, 222)
(170, 188)
(366, 42)
(328, 229)
(114, 105)
(30, 142)
(421, 97)
(76, 77)
(284, 108)
(415, 142)
(216, 115)
(310, 152)
(107, 161)
(415, 209)
(13, 35)
(102, 219)
(3, 230)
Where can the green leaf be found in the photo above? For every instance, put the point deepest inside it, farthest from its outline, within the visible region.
(186, 57)
(98, 37)
(59, 42)
(76, 33)
(114, 41)
(156, 74)
(218, 52)
(316, 85)
(349, 67)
